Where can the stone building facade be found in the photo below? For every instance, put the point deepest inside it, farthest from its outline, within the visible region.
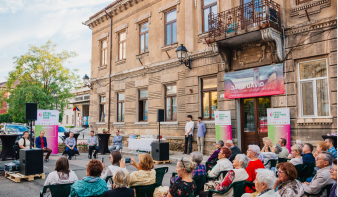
(146, 74)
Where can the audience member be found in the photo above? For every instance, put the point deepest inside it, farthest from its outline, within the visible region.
(201, 130)
(24, 142)
(117, 142)
(117, 162)
(333, 176)
(240, 162)
(264, 182)
(200, 169)
(321, 146)
(308, 158)
(41, 142)
(223, 163)
(145, 175)
(184, 185)
(91, 185)
(214, 155)
(70, 143)
(121, 181)
(234, 149)
(299, 142)
(287, 184)
(189, 131)
(322, 178)
(285, 152)
(332, 149)
(92, 145)
(273, 155)
(296, 158)
(267, 144)
(253, 152)
(61, 173)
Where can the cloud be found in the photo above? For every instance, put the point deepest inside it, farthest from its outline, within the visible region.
(11, 6)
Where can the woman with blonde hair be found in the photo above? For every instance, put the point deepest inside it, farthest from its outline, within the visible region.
(121, 179)
(321, 146)
(145, 175)
(267, 144)
(296, 151)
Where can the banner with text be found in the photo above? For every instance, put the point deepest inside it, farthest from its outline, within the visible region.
(223, 125)
(48, 121)
(261, 81)
(279, 125)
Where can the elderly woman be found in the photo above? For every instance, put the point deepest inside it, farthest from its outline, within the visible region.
(321, 146)
(121, 181)
(145, 175)
(184, 185)
(91, 185)
(200, 169)
(214, 155)
(287, 183)
(267, 144)
(333, 176)
(223, 163)
(240, 162)
(62, 174)
(253, 152)
(273, 155)
(296, 152)
(265, 179)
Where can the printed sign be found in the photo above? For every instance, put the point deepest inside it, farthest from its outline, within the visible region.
(261, 81)
(223, 125)
(279, 125)
(48, 121)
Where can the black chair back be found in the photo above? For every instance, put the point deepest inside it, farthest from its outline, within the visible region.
(306, 171)
(199, 181)
(144, 190)
(160, 172)
(281, 160)
(61, 190)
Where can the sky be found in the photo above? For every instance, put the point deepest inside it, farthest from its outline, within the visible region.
(34, 22)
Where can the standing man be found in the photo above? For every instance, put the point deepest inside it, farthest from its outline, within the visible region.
(41, 142)
(70, 145)
(117, 142)
(201, 130)
(234, 149)
(331, 150)
(189, 130)
(92, 143)
(285, 152)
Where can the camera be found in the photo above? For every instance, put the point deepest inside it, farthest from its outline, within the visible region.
(127, 160)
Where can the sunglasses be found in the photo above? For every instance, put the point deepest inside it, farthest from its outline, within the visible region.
(182, 162)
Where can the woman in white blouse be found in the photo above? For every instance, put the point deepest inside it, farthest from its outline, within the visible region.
(296, 151)
(223, 163)
(62, 174)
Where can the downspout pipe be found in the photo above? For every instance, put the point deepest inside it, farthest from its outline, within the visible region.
(110, 64)
(286, 86)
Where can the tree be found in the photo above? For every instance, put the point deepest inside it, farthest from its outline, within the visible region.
(37, 73)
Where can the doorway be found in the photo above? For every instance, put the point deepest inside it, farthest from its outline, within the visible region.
(254, 121)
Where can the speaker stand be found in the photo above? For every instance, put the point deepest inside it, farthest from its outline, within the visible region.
(32, 141)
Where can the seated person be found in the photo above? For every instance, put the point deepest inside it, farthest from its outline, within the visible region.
(41, 142)
(92, 145)
(145, 175)
(62, 174)
(321, 146)
(253, 152)
(223, 163)
(299, 142)
(117, 142)
(24, 142)
(333, 176)
(267, 144)
(322, 178)
(91, 185)
(285, 152)
(273, 155)
(117, 163)
(296, 158)
(214, 155)
(70, 143)
(121, 179)
(308, 158)
(234, 149)
(287, 184)
(240, 162)
(264, 182)
(331, 150)
(200, 169)
(184, 185)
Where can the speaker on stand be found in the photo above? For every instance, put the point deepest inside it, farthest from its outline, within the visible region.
(160, 150)
(31, 114)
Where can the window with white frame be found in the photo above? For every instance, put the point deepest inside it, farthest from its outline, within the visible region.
(102, 109)
(122, 45)
(314, 90)
(120, 107)
(171, 102)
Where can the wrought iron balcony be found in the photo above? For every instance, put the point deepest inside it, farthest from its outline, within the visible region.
(243, 19)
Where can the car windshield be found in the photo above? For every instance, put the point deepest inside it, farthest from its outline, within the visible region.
(62, 129)
(15, 128)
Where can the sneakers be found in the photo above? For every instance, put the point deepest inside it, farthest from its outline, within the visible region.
(46, 160)
(95, 156)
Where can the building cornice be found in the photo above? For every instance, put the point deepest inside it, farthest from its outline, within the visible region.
(316, 25)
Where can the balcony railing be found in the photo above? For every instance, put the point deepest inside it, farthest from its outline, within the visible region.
(257, 14)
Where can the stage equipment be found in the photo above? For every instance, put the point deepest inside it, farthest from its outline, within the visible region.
(31, 161)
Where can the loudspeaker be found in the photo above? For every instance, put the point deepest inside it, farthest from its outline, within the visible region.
(160, 115)
(160, 151)
(31, 161)
(31, 111)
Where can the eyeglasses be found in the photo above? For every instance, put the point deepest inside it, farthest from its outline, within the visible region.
(317, 159)
(182, 162)
(280, 172)
(333, 170)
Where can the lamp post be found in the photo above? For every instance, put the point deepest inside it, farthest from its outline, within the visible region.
(56, 99)
(85, 80)
(182, 54)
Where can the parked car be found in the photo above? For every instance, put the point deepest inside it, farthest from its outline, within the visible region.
(16, 129)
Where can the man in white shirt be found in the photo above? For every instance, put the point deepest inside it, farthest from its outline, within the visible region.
(189, 130)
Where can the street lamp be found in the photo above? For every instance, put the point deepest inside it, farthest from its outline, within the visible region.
(56, 99)
(85, 80)
(182, 54)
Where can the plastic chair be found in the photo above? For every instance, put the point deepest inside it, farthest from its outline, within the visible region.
(238, 188)
(75, 154)
(160, 172)
(109, 178)
(299, 169)
(327, 188)
(62, 190)
(306, 172)
(273, 163)
(281, 160)
(210, 165)
(199, 181)
(144, 190)
(223, 173)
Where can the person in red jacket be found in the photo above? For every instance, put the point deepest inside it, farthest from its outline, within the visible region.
(253, 152)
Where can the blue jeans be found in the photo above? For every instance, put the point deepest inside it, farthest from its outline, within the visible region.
(114, 147)
(71, 152)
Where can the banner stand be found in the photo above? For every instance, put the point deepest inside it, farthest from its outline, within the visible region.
(223, 125)
(279, 125)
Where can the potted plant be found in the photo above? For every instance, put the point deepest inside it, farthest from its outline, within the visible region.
(61, 147)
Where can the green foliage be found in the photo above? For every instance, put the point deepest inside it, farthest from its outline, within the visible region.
(37, 73)
(6, 118)
(70, 126)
